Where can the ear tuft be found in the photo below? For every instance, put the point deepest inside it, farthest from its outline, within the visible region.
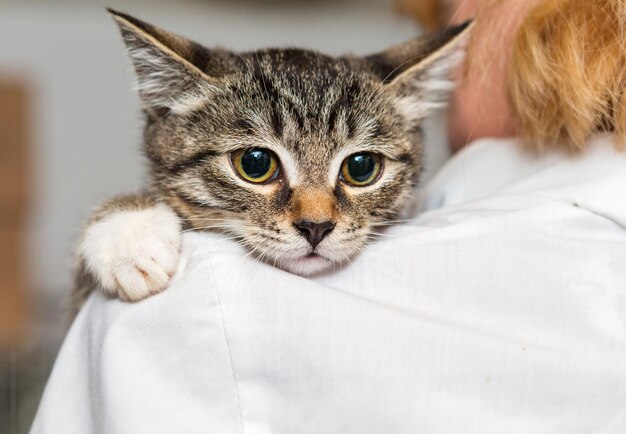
(166, 79)
(418, 72)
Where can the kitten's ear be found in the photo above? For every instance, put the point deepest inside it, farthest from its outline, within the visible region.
(418, 72)
(168, 80)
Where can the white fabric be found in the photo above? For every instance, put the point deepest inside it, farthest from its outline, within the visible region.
(500, 309)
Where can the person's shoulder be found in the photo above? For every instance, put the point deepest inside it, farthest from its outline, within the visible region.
(487, 168)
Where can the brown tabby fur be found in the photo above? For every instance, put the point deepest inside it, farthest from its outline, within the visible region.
(202, 104)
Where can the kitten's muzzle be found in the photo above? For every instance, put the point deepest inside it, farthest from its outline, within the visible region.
(314, 232)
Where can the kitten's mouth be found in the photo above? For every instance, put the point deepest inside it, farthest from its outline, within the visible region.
(311, 257)
(308, 265)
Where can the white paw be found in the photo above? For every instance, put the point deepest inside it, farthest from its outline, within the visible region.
(133, 254)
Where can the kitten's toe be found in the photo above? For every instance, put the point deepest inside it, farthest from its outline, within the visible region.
(133, 254)
(132, 284)
(150, 274)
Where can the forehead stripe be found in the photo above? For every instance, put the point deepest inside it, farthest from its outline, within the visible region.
(277, 123)
(184, 164)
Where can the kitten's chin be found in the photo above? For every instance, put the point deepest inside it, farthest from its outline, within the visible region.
(308, 265)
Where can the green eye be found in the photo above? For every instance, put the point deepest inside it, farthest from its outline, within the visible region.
(255, 165)
(361, 169)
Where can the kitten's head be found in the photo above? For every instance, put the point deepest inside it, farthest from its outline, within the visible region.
(298, 154)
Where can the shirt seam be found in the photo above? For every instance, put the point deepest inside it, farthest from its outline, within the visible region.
(230, 357)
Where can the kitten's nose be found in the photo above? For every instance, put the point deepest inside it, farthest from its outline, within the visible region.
(314, 232)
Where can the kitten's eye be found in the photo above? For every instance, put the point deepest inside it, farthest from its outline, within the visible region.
(361, 169)
(255, 165)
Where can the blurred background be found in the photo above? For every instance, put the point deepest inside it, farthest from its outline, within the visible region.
(70, 131)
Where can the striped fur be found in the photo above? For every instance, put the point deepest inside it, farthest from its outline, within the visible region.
(310, 109)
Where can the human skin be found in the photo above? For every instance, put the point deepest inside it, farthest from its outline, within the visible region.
(479, 105)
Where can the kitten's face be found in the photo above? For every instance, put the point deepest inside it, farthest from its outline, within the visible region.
(298, 154)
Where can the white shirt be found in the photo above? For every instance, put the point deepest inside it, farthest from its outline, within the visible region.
(501, 308)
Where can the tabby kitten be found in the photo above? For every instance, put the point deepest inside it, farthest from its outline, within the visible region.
(296, 153)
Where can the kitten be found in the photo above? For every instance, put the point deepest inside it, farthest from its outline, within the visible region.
(298, 154)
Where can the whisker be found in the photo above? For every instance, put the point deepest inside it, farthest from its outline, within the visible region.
(202, 228)
(379, 234)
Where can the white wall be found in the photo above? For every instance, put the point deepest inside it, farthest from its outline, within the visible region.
(87, 121)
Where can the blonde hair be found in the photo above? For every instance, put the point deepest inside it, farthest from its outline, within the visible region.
(566, 77)
(568, 71)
